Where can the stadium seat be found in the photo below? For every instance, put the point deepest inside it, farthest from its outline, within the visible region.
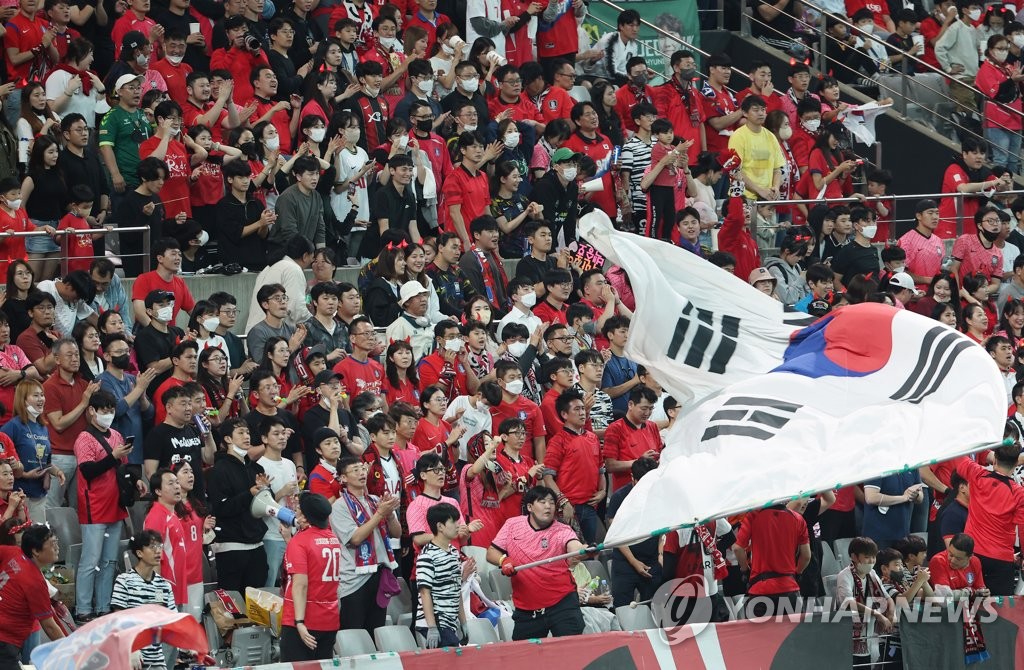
(500, 585)
(481, 631)
(829, 564)
(842, 549)
(638, 618)
(137, 514)
(400, 607)
(64, 523)
(354, 643)
(830, 585)
(250, 645)
(480, 555)
(505, 628)
(598, 569)
(394, 638)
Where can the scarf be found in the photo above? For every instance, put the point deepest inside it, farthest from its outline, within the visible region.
(707, 538)
(860, 625)
(84, 74)
(684, 93)
(974, 640)
(366, 554)
(481, 364)
(490, 282)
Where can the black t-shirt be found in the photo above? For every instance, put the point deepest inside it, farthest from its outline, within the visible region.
(316, 418)
(780, 28)
(398, 208)
(647, 551)
(84, 170)
(233, 216)
(170, 445)
(254, 419)
(951, 519)
(195, 56)
(853, 260)
(533, 269)
(151, 345)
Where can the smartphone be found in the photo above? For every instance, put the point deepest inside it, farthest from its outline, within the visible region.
(129, 441)
(351, 187)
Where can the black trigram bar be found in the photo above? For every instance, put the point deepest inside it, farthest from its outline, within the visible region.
(697, 352)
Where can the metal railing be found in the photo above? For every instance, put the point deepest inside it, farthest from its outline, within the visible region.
(958, 201)
(62, 235)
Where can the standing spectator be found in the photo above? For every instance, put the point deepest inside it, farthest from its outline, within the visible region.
(590, 364)
(184, 364)
(180, 156)
(29, 434)
(447, 367)
(155, 341)
(1002, 109)
(514, 404)
(557, 37)
(171, 68)
(313, 569)
(967, 174)
(284, 308)
(166, 278)
(243, 222)
(145, 585)
(163, 519)
(67, 397)
(632, 437)
(759, 151)
(123, 129)
(136, 18)
(132, 405)
(235, 480)
(573, 460)
(359, 372)
(99, 452)
(859, 257)
(441, 617)
(446, 276)
(323, 478)
(591, 143)
(781, 550)
(558, 193)
(545, 597)
(860, 583)
(637, 566)
(30, 51)
(241, 59)
(80, 164)
(465, 195)
(364, 523)
(372, 111)
(679, 101)
(12, 360)
(300, 211)
(888, 505)
(829, 169)
(141, 208)
(284, 486)
(25, 595)
(620, 373)
(178, 438)
(481, 265)
(136, 56)
(957, 51)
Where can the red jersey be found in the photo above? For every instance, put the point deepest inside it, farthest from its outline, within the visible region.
(975, 257)
(773, 535)
(174, 563)
(548, 313)
(800, 144)
(359, 376)
(735, 238)
(13, 248)
(883, 222)
(25, 34)
(152, 281)
(417, 19)
(628, 97)
(316, 553)
(527, 411)
(624, 441)
(98, 498)
(944, 575)
(554, 103)
(552, 421)
(518, 473)
(995, 512)
(546, 584)
(599, 149)
(190, 114)
(471, 193)
(192, 524)
(281, 118)
(575, 460)
(433, 367)
(80, 250)
(716, 104)
(406, 391)
(559, 37)
(522, 109)
(429, 437)
(240, 63)
(24, 596)
(174, 77)
(954, 176)
(124, 25)
(325, 482)
(175, 192)
(823, 165)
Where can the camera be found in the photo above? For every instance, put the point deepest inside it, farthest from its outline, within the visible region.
(252, 42)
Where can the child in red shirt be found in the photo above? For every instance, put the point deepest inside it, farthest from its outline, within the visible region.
(80, 250)
(13, 219)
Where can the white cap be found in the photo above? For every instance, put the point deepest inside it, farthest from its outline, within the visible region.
(410, 289)
(904, 280)
(126, 79)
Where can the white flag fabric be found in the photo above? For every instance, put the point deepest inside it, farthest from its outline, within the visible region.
(860, 121)
(698, 328)
(862, 392)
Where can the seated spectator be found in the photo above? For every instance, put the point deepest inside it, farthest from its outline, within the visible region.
(860, 583)
(956, 573)
(889, 503)
(288, 273)
(165, 278)
(359, 372)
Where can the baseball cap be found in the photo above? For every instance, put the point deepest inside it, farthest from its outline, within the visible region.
(325, 377)
(410, 289)
(126, 79)
(132, 40)
(761, 274)
(924, 205)
(156, 296)
(904, 280)
(564, 154)
(720, 59)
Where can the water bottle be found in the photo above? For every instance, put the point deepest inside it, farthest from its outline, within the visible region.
(605, 591)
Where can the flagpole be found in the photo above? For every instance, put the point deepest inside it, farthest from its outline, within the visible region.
(602, 546)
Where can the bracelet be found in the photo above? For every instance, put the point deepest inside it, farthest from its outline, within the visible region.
(298, 621)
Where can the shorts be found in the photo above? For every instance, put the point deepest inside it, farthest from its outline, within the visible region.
(41, 244)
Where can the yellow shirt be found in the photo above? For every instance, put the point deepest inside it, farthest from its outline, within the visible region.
(760, 153)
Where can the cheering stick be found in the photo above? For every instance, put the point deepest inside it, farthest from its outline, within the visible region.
(602, 546)
(635, 604)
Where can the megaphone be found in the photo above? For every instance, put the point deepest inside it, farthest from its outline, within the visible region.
(593, 186)
(264, 505)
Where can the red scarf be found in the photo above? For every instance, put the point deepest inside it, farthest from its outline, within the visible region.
(974, 640)
(707, 538)
(490, 284)
(860, 624)
(84, 74)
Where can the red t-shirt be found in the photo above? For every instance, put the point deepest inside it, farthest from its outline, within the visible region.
(877, 9)
(174, 76)
(819, 165)
(552, 422)
(522, 109)
(625, 442)
(406, 391)
(174, 564)
(773, 101)
(575, 460)
(281, 118)
(470, 192)
(24, 596)
(430, 369)
(773, 535)
(127, 23)
(175, 192)
(64, 397)
(526, 410)
(628, 97)
(316, 553)
(429, 437)
(208, 188)
(975, 257)
(599, 149)
(98, 499)
(240, 63)
(546, 584)
(24, 34)
(80, 250)
(943, 575)
(716, 104)
(883, 222)
(548, 313)
(560, 37)
(360, 376)
(192, 524)
(152, 281)
(996, 509)
(13, 248)
(555, 103)
(324, 482)
(954, 176)
(800, 144)
(158, 398)
(190, 117)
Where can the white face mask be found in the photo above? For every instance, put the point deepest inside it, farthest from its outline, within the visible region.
(203, 238)
(142, 60)
(974, 14)
(812, 125)
(317, 134)
(569, 173)
(403, 141)
(14, 204)
(785, 133)
(211, 324)
(453, 345)
(517, 349)
(515, 387)
(372, 92)
(425, 85)
(869, 231)
(1018, 41)
(272, 143)
(352, 135)
(999, 55)
(165, 314)
(33, 413)
(512, 140)
(422, 321)
(867, 28)
(899, 268)
(469, 127)
(469, 85)
(387, 42)
(241, 453)
(104, 421)
(529, 300)
(175, 60)
(864, 568)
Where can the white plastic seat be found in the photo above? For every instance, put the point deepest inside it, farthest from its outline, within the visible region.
(638, 618)
(481, 631)
(354, 643)
(394, 638)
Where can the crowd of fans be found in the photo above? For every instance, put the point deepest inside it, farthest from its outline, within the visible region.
(437, 402)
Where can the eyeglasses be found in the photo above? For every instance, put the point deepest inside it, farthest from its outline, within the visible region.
(566, 338)
(570, 75)
(278, 298)
(217, 359)
(516, 432)
(229, 312)
(439, 471)
(513, 82)
(360, 334)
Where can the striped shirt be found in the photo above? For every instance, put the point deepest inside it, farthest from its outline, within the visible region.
(131, 590)
(438, 570)
(636, 156)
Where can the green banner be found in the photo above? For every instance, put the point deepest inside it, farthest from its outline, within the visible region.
(671, 16)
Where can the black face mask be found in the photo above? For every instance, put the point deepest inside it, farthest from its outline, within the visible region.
(121, 362)
(991, 237)
(424, 125)
(248, 148)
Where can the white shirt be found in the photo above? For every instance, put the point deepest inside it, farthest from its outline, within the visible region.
(722, 528)
(621, 52)
(280, 472)
(475, 419)
(57, 83)
(514, 315)
(287, 273)
(65, 315)
(1010, 253)
(394, 484)
(348, 164)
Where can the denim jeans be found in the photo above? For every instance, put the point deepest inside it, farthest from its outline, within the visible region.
(1005, 147)
(57, 493)
(586, 517)
(95, 580)
(275, 554)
